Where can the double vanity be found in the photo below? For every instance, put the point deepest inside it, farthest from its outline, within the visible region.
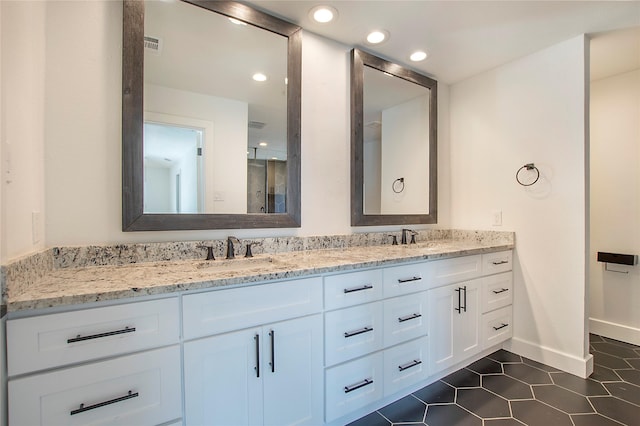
(305, 336)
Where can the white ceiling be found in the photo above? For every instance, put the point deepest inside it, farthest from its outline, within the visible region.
(464, 38)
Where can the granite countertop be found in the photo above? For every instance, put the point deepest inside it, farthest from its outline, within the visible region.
(69, 286)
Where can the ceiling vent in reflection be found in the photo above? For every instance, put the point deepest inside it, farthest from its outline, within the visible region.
(153, 44)
(256, 125)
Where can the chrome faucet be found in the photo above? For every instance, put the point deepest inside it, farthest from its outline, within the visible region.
(230, 250)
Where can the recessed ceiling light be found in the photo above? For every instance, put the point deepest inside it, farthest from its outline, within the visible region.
(323, 14)
(237, 21)
(259, 77)
(377, 36)
(418, 56)
(274, 158)
(262, 144)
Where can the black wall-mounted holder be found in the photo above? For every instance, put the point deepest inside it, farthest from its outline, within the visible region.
(618, 259)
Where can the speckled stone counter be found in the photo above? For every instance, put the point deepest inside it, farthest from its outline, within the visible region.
(68, 276)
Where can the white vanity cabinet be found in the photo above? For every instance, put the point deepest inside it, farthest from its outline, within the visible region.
(261, 374)
(455, 323)
(270, 375)
(377, 348)
(106, 365)
(472, 311)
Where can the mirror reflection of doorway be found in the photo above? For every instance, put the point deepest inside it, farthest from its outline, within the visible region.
(173, 169)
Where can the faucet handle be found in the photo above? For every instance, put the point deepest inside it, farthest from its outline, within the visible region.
(209, 252)
(394, 242)
(249, 245)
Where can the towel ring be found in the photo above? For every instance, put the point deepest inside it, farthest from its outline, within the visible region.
(398, 185)
(528, 166)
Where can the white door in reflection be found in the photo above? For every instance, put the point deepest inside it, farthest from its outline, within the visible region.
(173, 181)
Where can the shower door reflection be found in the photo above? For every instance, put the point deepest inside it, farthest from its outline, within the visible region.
(266, 186)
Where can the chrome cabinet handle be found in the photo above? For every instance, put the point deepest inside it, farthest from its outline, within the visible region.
(358, 385)
(406, 280)
(79, 338)
(409, 317)
(348, 334)
(409, 365)
(354, 289)
(82, 408)
(500, 291)
(257, 367)
(272, 334)
(500, 327)
(502, 262)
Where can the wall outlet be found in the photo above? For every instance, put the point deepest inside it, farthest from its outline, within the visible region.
(496, 217)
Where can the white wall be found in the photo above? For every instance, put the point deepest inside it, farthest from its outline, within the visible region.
(531, 110)
(615, 204)
(23, 94)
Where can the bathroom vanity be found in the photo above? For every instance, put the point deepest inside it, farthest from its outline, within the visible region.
(305, 337)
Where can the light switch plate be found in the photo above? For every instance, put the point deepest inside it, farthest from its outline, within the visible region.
(496, 217)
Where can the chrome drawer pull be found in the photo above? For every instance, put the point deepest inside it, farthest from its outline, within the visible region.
(502, 326)
(356, 332)
(500, 291)
(409, 317)
(82, 408)
(355, 386)
(406, 280)
(354, 289)
(409, 365)
(502, 262)
(79, 338)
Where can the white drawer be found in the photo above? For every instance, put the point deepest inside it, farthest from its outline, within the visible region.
(454, 270)
(494, 263)
(405, 318)
(405, 365)
(354, 288)
(353, 385)
(399, 280)
(497, 326)
(46, 341)
(497, 291)
(135, 389)
(220, 311)
(352, 332)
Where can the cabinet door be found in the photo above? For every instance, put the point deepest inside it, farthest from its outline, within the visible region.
(293, 379)
(467, 322)
(454, 323)
(442, 304)
(223, 379)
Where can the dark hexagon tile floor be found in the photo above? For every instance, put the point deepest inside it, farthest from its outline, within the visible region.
(505, 389)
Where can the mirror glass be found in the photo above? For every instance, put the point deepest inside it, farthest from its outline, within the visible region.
(395, 132)
(217, 120)
(393, 143)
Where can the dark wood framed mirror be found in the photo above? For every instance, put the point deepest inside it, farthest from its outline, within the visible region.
(393, 143)
(137, 215)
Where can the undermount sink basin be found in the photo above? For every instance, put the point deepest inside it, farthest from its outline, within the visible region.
(240, 264)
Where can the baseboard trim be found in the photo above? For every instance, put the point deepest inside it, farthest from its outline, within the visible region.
(582, 367)
(615, 331)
